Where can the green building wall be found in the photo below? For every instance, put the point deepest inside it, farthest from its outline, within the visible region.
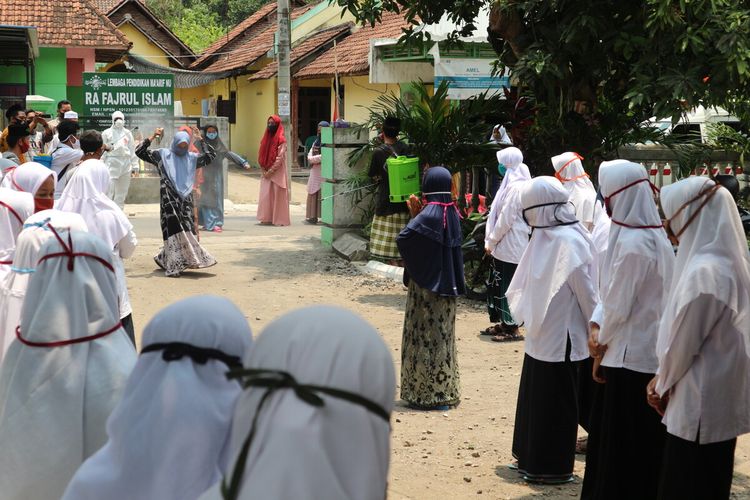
(50, 71)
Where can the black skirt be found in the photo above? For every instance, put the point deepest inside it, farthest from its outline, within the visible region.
(544, 438)
(626, 440)
(586, 389)
(696, 471)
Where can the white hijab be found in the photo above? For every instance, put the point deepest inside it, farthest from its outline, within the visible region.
(569, 170)
(338, 451)
(15, 208)
(712, 257)
(30, 176)
(553, 253)
(504, 138)
(13, 286)
(634, 206)
(55, 401)
(516, 172)
(85, 194)
(168, 436)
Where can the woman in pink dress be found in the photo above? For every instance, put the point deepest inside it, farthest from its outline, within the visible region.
(273, 205)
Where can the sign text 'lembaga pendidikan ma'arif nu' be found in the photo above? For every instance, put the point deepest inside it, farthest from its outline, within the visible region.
(142, 94)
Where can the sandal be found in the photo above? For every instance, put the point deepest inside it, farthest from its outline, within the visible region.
(510, 334)
(492, 331)
(507, 337)
(548, 480)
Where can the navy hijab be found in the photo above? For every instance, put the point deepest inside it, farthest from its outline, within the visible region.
(431, 243)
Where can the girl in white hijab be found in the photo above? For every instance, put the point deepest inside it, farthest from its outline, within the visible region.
(35, 179)
(553, 293)
(702, 386)
(61, 380)
(13, 287)
(637, 275)
(86, 194)
(505, 239)
(168, 436)
(569, 170)
(314, 420)
(15, 208)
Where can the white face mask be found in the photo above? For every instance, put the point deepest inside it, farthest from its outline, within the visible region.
(119, 124)
(75, 143)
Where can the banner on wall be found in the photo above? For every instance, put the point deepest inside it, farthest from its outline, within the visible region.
(468, 77)
(145, 96)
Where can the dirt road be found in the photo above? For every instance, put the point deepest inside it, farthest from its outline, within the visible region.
(267, 271)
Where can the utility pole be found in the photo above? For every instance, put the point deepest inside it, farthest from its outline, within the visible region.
(285, 84)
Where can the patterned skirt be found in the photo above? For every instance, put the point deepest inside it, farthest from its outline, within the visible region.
(181, 249)
(429, 366)
(385, 229)
(501, 274)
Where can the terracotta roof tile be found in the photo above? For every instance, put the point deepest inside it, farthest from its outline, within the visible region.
(107, 5)
(251, 49)
(354, 51)
(305, 48)
(240, 29)
(66, 23)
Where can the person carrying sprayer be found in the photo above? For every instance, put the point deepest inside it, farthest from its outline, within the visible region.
(120, 157)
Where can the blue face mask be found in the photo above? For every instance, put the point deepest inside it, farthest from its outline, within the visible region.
(212, 135)
(501, 169)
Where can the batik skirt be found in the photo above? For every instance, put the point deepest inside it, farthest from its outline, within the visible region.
(429, 366)
(501, 274)
(181, 249)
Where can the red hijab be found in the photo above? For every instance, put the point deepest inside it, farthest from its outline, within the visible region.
(269, 145)
(189, 131)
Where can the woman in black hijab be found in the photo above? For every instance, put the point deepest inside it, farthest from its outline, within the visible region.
(431, 248)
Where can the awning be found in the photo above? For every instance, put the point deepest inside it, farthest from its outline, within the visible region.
(18, 45)
(183, 78)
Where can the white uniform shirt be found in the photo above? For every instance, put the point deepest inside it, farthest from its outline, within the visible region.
(64, 156)
(630, 327)
(509, 236)
(123, 250)
(708, 371)
(566, 316)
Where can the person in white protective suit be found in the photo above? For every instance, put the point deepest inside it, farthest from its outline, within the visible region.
(120, 157)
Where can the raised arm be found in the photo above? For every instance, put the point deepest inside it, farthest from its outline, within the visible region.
(144, 153)
(207, 155)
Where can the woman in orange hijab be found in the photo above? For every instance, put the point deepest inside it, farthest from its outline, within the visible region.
(273, 204)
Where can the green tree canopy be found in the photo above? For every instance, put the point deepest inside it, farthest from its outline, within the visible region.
(596, 69)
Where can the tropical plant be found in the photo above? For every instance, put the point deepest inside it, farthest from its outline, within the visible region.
(724, 137)
(438, 130)
(595, 70)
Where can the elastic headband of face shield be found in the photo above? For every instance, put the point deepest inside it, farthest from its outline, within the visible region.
(609, 207)
(708, 193)
(559, 222)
